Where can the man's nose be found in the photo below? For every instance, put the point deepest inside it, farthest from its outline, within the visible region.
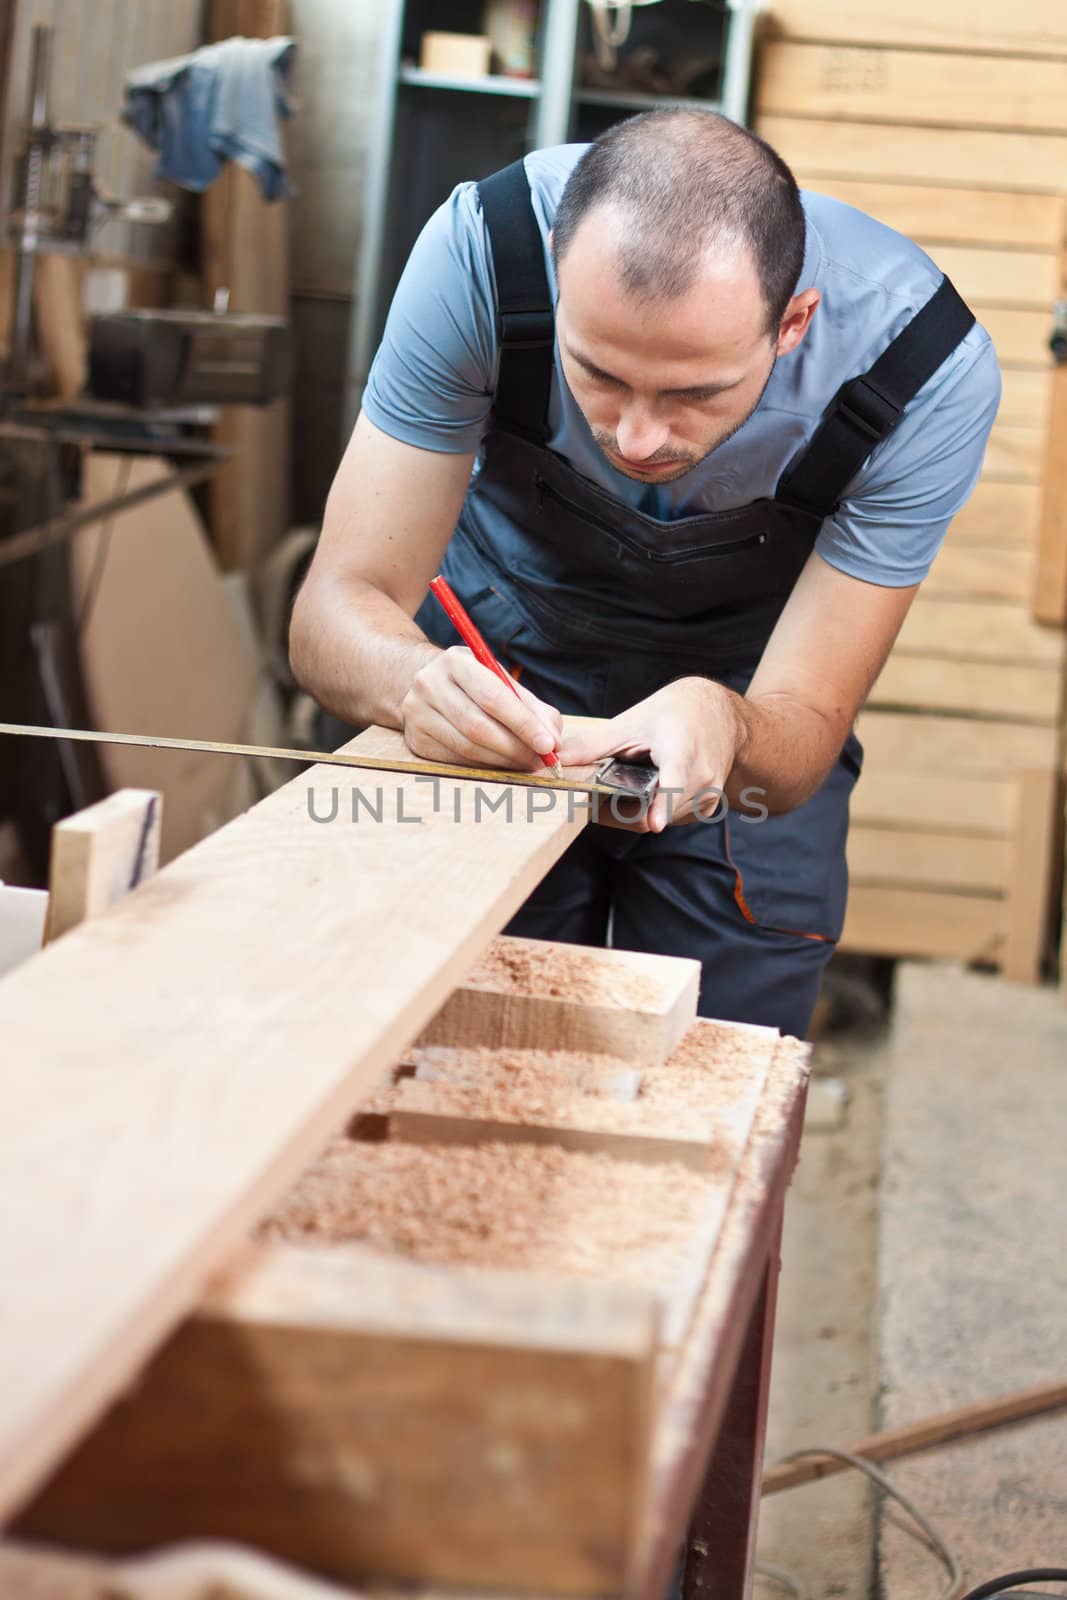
(639, 435)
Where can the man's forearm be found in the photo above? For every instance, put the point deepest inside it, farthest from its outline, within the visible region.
(355, 650)
(785, 749)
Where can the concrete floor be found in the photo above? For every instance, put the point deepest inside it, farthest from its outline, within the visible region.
(924, 1267)
(825, 1373)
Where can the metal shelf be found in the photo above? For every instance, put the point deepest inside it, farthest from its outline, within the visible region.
(491, 83)
(641, 102)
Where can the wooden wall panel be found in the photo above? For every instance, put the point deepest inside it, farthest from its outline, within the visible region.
(979, 91)
(1029, 27)
(1025, 161)
(951, 216)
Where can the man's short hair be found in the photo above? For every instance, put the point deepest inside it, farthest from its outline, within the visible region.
(688, 181)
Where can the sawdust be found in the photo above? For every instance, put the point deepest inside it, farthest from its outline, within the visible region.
(515, 1206)
(710, 1058)
(562, 972)
(544, 1081)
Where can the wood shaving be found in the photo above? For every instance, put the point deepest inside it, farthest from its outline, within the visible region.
(560, 972)
(711, 1059)
(534, 1208)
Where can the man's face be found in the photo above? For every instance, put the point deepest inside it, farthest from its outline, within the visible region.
(662, 383)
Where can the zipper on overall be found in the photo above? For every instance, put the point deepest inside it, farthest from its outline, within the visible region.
(728, 547)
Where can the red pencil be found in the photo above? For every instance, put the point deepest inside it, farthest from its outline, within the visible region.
(442, 591)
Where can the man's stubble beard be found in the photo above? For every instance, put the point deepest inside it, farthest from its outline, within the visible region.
(607, 442)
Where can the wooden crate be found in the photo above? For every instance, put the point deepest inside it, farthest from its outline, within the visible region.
(360, 1412)
(957, 136)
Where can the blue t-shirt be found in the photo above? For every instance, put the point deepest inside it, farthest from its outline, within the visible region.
(433, 380)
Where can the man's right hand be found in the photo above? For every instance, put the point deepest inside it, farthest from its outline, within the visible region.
(456, 710)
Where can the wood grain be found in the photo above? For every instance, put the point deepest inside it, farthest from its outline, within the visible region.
(952, 216)
(357, 1413)
(208, 1035)
(100, 855)
(916, 859)
(924, 922)
(913, 86)
(1049, 598)
(975, 688)
(1033, 881)
(494, 1008)
(818, 147)
(1032, 27)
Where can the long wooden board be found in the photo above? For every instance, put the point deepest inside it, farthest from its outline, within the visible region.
(953, 216)
(1030, 27)
(169, 1068)
(924, 922)
(976, 91)
(869, 150)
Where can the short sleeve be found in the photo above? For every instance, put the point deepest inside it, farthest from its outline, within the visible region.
(433, 378)
(891, 523)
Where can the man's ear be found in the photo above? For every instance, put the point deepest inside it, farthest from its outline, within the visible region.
(796, 319)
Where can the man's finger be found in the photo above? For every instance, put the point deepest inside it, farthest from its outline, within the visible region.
(494, 697)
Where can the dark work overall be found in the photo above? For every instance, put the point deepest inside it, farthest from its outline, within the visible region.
(596, 606)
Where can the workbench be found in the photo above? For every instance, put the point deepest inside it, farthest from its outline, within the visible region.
(180, 1073)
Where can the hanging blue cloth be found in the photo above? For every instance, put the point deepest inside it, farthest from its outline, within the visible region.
(220, 103)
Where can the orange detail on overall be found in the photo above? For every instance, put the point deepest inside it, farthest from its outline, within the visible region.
(746, 910)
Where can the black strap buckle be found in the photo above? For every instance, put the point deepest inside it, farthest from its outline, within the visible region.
(522, 330)
(867, 408)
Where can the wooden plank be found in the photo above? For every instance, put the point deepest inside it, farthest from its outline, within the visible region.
(1014, 455)
(917, 743)
(999, 513)
(57, 304)
(101, 854)
(978, 630)
(1026, 397)
(1020, 338)
(534, 994)
(912, 85)
(630, 1135)
(987, 276)
(952, 216)
(926, 860)
(1032, 27)
(982, 572)
(1034, 162)
(1033, 884)
(934, 800)
(1049, 602)
(22, 919)
(982, 689)
(449, 1424)
(923, 922)
(185, 1009)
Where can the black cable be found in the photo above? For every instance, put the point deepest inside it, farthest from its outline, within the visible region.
(1032, 1575)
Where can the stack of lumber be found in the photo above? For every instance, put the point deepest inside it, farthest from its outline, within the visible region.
(950, 124)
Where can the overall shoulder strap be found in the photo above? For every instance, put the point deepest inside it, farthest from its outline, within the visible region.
(525, 317)
(865, 410)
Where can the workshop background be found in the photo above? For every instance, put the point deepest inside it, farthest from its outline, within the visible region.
(929, 1202)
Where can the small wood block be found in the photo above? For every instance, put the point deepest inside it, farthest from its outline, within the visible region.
(534, 993)
(360, 1414)
(632, 1138)
(100, 854)
(604, 1079)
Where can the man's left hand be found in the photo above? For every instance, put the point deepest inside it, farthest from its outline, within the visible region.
(692, 730)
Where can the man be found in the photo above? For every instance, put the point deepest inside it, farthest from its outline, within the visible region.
(683, 516)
